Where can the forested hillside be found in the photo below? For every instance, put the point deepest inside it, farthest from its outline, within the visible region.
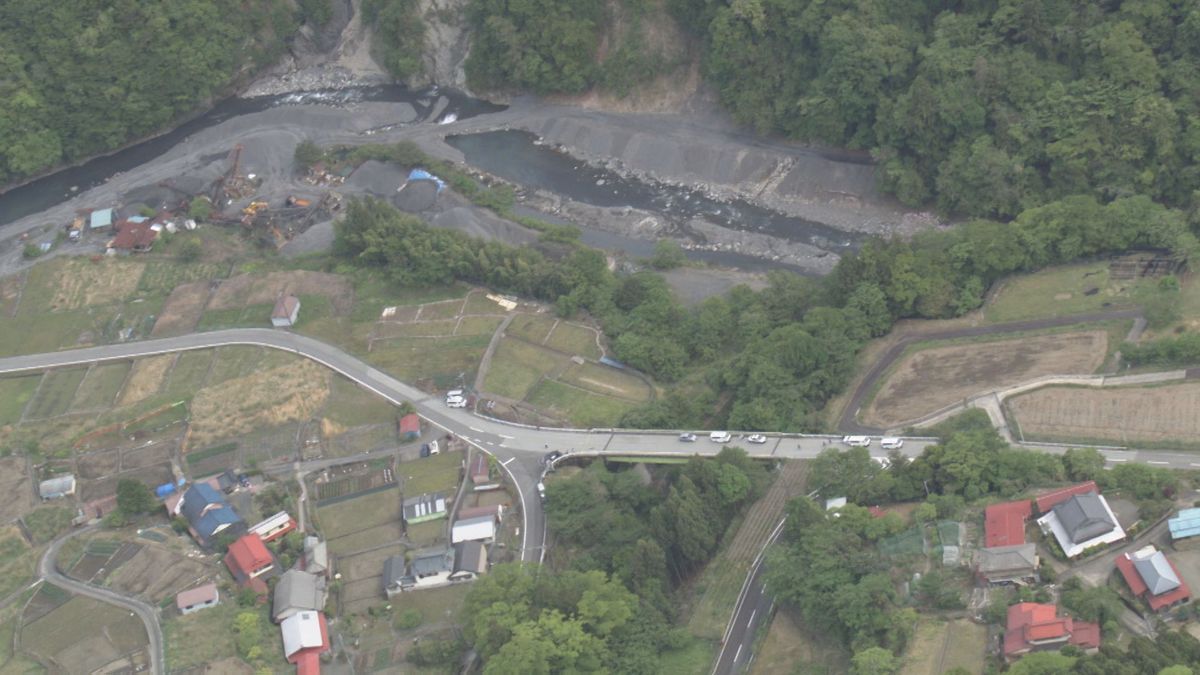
(82, 77)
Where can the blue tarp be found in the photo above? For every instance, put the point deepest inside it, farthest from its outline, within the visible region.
(101, 218)
(422, 174)
(611, 362)
(164, 490)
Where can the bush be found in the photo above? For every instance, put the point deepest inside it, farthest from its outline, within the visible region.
(32, 251)
(307, 153)
(408, 619)
(190, 250)
(200, 208)
(667, 255)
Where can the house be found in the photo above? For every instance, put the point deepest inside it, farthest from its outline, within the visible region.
(135, 235)
(1007, 564)
(495, 511)
(295, 592)
(198, 598)
(1081, 522)
(395, 576)
(480, 528)
(432, 568)
(274, 527)
(423, 508)
(1004, 524)
(1185, 528)
(1034, 627)
(316, 557)
(248, 559)
(410, 427)
(305, 638)
(480, 470)
(100, 219)
(1154, 578)
(208, 514)
(227, 481)
(57, 487)
(470, 560)
(1051, 499)
(287, 310)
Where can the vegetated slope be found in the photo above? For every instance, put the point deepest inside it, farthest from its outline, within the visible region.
(82, 77)
(987, 106)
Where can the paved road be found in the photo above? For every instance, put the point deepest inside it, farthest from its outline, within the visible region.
(752, 610)
(849, 423)
(48, 570)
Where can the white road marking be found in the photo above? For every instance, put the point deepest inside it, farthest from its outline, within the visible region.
(751, 621)
(506, 437)
(1195, 464)
(1153, 462)
(478, 431)
(507, 461)
(737, 654)
(1116, 459)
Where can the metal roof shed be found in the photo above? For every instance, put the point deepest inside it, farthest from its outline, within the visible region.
(482, 528)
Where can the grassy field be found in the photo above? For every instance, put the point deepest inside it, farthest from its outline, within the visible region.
(517, 366)
(422, 329)
(15, 393)
(360, 513)
(189, 373)
(259, 400)
(531, 327)
(68, 283)
(448, 309)
(437, 605)
(350, 405)
(695, 657)
(84, 634)
(55, 394)
(101, 385)
(606, 380)
(442, 360)
(1059, 291)
(251, 316)
(373, 293)
(579, 408)
(17, 561)
(574, 340)
(940, 646)
(47, 522)
(1162, 414)
(237, 361)
(200, 638)
(427, 533)
(163, 276)
(478, 325)
(790, 648)
(429, 474)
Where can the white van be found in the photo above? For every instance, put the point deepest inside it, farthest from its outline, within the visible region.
(857, 441)
(891, 443)
(720, 437)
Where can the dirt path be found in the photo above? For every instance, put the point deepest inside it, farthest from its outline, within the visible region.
(486, 362)
(849, 419)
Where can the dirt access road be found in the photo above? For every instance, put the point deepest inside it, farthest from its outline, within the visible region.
(849, 420)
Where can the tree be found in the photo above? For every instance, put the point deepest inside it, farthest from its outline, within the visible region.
(200, 208)
(247, 629)
(874, 661)
(1042, 663)
(1083, 464)
(307, 154)
(667, 255)
(190, 250)
(134, 498)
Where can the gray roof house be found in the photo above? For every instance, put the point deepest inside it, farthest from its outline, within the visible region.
(297, 591)
(395, 576)
(1004, 564)
(316, 556)
(1082, 522)
(1156, 573)
(470, 560)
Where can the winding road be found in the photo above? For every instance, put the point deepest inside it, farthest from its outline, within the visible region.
(48, 570)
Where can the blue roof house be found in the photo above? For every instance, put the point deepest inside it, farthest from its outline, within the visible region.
(101, 219)
(208, 514)
(1185, 526)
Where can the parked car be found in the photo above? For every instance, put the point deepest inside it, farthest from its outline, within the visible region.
(433, 448)
(756, 438)
(552, 455)
(891, 443)
(456, 402)
(857, 441)
(687, 437)
(424, 449)
(454, 393)
(720, 437)
(541, 488)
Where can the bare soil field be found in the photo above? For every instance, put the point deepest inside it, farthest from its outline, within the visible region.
(1127, 414)
(80, 282)
(98, 464)
(138, 458)
(146, 378)
(182, 310)
(154, 573)
(84, 635)
(930, 379)
(263, 399)
(156, 474)
(247, 289)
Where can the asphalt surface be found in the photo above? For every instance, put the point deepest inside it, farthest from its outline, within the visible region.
(753, 609)
(849, 423)
(48, 570)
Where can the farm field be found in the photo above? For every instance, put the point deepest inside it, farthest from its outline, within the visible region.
(1157, 414)
(54, 395)
(440, 361)
(929, 379)
(100, 386)
(350, 405)
(201, 638)
(1060, 291)
(15, 393)
(517, 366)
(581, 409)
(146, 378)
(83, 635)
(155, 573)
(261, 399)
(941, 646)
(189, 373)
(16, 488)
(430, 474)
(17, 561)
(722, 579)
(358, 515)
(789, 648)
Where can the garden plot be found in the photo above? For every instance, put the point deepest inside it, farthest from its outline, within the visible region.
(250, 289)
(362, 578)
(15, 393)
(84, 635)
(264, 399)
(190, 372)
(930, 379)
(423, 361)
(155, 573)
(943, 646)
(55, 393)
(76, 282)
(155, 474)
(100, 386)
(517, 366)
(1161, 414)
(146, 378)
(182, 310)
(361, 522)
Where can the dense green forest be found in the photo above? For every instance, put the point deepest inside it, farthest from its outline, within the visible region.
(83, 77)
(623, 545)
(399, 35)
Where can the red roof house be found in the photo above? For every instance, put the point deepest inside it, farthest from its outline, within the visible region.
(1052, 499)
(1004, 524)
(134, 235)
(1154, 578)
(410, 427)
(1037, 627)
(248, 558)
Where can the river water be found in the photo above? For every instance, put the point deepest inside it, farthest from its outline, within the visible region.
(516, 156)
(48, 191)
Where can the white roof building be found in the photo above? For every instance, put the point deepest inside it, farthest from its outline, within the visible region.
(482, 528)
(1082, 522)
(301, 631)
(57, 487)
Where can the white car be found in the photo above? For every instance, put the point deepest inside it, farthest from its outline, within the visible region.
(456, 402)
(756, 438)
(891, 443)
(857, 441)
(454, 393)
(883, 462)
(720, 437)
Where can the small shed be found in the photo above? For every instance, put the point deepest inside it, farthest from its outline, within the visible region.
(196, 599)
(100, 219)
(410, 427)
(287, 310)
(480, 471)
(480, 528)
(422, 508)
(57, 487)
